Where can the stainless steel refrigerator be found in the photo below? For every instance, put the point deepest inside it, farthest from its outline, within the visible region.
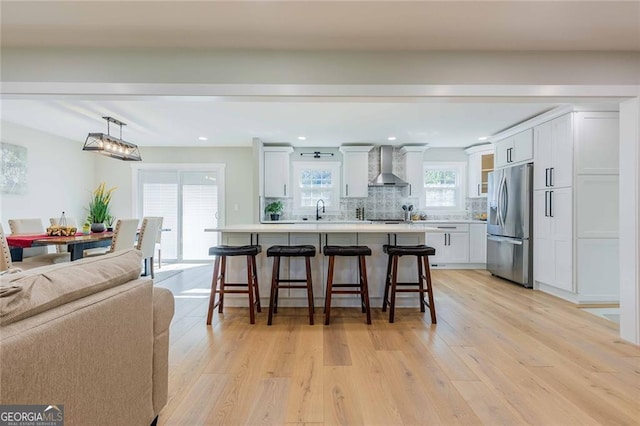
(510, 224)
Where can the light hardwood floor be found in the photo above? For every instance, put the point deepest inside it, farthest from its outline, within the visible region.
(500, 354)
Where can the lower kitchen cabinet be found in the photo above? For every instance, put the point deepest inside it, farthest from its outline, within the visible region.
(478, 243)
(451, 242)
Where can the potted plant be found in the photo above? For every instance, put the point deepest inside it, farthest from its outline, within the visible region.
(99, 208)
(274, 209)
(109, 221)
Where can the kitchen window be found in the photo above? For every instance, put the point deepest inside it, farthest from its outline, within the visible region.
(444, 186)
(314, 181)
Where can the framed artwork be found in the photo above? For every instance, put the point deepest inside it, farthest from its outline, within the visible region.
(13, 169)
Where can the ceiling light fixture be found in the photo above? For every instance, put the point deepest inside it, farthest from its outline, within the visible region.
(391, 138)
(110, 145)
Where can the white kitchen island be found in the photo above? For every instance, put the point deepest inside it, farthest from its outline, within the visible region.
(319, 235)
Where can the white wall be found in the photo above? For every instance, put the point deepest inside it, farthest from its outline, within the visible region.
(60, 177)
(239, 181)
(629, 221)
(446, 154)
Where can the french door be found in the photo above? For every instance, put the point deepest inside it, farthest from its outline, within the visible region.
(190, 198)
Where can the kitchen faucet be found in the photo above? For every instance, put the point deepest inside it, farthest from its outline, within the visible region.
(318, 217)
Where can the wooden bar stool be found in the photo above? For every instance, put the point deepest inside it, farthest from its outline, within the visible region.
(290, 251)
(219, 272)
(362, 286)
(423, 285)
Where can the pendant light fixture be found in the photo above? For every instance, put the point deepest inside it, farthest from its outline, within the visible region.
(112, 146)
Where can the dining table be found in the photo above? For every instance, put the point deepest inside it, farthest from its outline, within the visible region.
(76, 244)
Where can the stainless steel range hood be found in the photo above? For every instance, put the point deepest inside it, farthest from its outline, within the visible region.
(386, 176)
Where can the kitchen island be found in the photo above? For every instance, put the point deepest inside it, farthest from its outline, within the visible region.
(319, 235)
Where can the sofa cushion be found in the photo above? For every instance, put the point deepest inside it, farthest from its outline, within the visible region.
(40, 289)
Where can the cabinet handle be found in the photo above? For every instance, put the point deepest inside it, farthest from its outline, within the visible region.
(478, 189)
(446, 227)
(546, 179)
(546, 203)
(445, 239)
(550, 203)
(346, 189)
(285, 189)
(409, 190)
(551, 176)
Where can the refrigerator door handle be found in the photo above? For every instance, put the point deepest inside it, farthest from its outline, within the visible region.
(505, 240)
(499, 206)
(504, 203)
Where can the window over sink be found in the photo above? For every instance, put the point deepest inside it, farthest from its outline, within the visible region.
(314, 181)
(444, 186)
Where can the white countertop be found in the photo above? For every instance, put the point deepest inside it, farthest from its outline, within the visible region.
(325, 228)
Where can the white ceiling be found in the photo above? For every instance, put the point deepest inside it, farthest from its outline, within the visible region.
(309, 25)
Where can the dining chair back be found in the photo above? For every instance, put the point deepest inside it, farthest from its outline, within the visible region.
(29, 226)
(149, 231)
(5, 258)
(124, 235)
(6, 264)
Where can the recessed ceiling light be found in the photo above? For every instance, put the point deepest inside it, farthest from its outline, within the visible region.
(203, 138)
(302, 138)
(483, 138)
(391, 138)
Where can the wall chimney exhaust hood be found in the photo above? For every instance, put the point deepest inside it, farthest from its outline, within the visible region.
(386, 176)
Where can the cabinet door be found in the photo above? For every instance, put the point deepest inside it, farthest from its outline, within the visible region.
(475, 172)
(561, 173)
(276, 174)
(437, 240)
(503, 148)
(543, 257)
(355, 168)
(478, 243)
(542, 140)
(458, 247)
(597, 142)
(522, 147)
(561, 211)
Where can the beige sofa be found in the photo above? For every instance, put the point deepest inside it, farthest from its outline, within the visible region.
(89, 335)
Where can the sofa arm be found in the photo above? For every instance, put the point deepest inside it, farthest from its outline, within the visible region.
(163, 309)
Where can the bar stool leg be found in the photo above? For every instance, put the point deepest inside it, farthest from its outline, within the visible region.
(387, 283)
(255, 283)
(365, 287)
(275, 297)
(223, 269)
(274, 287)
(432, 306)
(307, 262)
(327, 299)
(421, 282)
(362, 304)
(214, 286)
(252, 317)
(394, 282)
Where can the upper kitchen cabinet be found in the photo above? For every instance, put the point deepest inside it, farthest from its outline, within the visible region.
(597, 150)
(276, 171)
(480, 165)
(514, 149)
(414, 171)
(553, 153)
(355, 171)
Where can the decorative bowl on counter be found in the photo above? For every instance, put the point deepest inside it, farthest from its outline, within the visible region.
(61, 231)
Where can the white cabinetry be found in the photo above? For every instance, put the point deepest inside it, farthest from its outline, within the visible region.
(414, 171)
(451, 243)
(355, 171)
(514, 149)
(480, 165)
(276, 172)
(576, 206)
(478, 243)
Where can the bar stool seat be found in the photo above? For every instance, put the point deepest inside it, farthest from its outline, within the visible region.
(306, 251)
(361, 288)
(422, 253)
(219, 276)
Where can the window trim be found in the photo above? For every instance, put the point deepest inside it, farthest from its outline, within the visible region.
(461, 168)
(336, 175)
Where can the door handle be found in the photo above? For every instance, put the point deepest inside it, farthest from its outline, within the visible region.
(505, 240)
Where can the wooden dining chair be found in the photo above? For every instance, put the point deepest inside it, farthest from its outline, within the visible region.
(34, 226)
(8, 266)
(147, 241)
